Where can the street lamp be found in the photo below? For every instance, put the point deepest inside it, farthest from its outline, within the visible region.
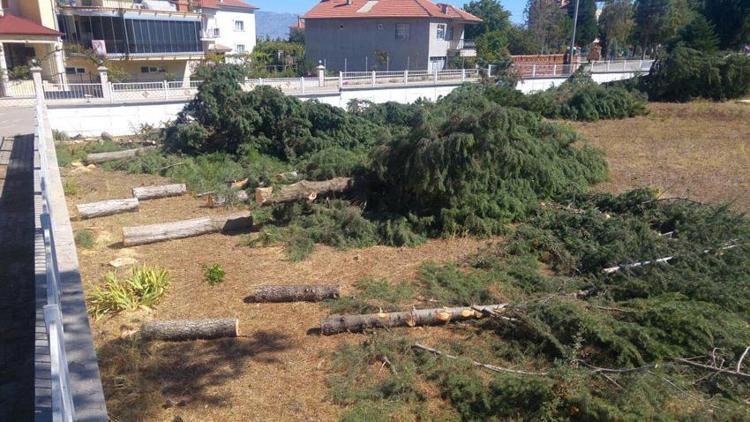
(573, 40)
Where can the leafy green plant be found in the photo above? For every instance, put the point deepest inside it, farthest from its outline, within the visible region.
(84, 238)
(70, 187)
(60, 136)
(145, 287)
(213, 274)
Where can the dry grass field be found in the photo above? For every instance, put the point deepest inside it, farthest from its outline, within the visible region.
(698, 150)
(277, 369)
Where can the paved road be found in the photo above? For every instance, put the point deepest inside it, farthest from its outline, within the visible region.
(17, 295)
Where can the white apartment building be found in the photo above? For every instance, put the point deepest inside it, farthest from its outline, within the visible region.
(228, 26)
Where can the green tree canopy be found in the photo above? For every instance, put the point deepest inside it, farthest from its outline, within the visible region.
(699, 34)
(548, 24)
(616, 24)
(492, 47)
(493, 14)
(731, 19)
(656, 21)
(587, 28)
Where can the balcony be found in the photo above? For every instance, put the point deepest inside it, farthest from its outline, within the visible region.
(157, 7)
(463, 48)
(210, 34)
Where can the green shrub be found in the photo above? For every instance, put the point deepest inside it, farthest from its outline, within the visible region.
(60, 136)
(578, 98)
(473, 166)
(213, 274)
(70, 187)
(144, 287)
(85, 238)
(373, 295)
(684, 74)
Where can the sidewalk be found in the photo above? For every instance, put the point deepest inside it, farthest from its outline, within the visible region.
(17, 288)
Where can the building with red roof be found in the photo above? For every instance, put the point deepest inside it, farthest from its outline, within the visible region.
(359, 35)
(23, 39)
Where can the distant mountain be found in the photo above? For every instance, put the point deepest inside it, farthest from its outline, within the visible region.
(273, 25)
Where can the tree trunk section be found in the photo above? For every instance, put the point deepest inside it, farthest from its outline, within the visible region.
(181, 330)
(302, 191)
(141, 235)
(215, 200)
(418, 317)
(109, 207)
(152, 192)
(102, 157)
(293, 293)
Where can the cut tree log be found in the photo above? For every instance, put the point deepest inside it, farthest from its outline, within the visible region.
(108, 207)
(181, 330)
(417, 317)
(142, 235)
(102, 157)
(292, 293)
(163, 191)
(302, 191)
(215, 200)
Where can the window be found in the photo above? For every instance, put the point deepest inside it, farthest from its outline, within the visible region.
(441, 31)
(240, 48)
(402, 31)
(239, 26)
(152, 69)
(74, 70)
(217, 33)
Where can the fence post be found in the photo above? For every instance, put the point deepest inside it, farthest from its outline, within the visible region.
(554, 69)
(373, 78)
(166, 89)
(321, 74)
(434, 76)
(463, 75)
(4, 80)
(341, 79)
(111, 93)
(489, 70)
(36, 73)
(104, 80)
(302, 84)
(607, 66)
(406, 77)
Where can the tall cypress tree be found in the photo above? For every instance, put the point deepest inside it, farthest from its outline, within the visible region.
(587, 29)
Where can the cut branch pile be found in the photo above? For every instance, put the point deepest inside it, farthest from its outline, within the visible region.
(292, 293)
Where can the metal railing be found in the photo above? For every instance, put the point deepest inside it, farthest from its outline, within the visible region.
(72, 91)
(546, 70)
(62, 399)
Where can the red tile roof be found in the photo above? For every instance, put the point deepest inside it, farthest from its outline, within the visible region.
(13, 25)
(387, 9)
(219, 4)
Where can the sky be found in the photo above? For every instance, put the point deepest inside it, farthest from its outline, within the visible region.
(301, 6)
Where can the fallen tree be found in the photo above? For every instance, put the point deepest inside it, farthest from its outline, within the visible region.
(216, 200)
(101, 157)
(417, 317)
(304, 190)
(163, 191)
(292, 293)
(141, 235)
(181, 330)
(108, 207)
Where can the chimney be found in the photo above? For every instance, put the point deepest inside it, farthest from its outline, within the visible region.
(348, 2)
(2, 12)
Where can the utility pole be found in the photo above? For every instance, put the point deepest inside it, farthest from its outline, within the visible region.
(573, 40)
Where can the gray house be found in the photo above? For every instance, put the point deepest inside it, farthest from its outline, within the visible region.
(396, 35)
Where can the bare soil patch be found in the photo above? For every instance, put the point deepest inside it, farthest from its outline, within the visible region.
(699, 150)
(278, 368)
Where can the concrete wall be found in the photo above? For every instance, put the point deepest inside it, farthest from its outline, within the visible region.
(334, 40)
(125, 119)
